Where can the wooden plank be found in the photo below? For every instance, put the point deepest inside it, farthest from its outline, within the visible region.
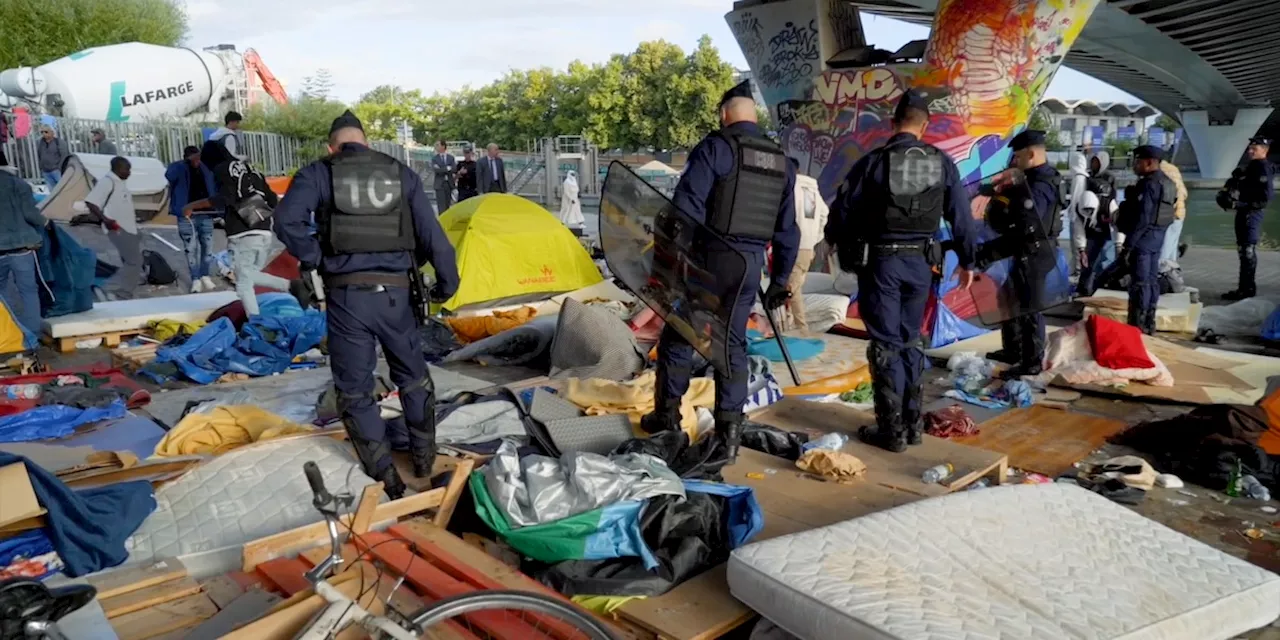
(286, 621)
(154, 472)
(223, 590)
(303, 595)
(1044, 440)
(124, 581)
(443, 543)
(294, 540)
(164, 618)
(369, 499)
(703, 610)
(317, 555)
(246, 608)
(453, 491)
(147, 597)
(286, 573)
(900, 471)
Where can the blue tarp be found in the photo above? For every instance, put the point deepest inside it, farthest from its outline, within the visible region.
(88, 528)
(1271, 328)
(54, 421)
(743, 518)
(68, 270)
(800, 348)
(265, 346)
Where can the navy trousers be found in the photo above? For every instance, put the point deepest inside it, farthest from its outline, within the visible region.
(892, 294)
(359, 319)
(675, 354)
(1144, 287)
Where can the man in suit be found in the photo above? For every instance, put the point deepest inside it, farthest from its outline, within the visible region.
(493, 173)
(443, 166)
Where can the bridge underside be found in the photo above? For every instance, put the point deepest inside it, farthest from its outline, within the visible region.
(1202, 61)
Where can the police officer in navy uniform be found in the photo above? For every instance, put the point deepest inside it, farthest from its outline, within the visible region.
(739, 184)
(1255, 188)
(883, 224)
(375, 228)
(1029, 226)
(1145, 214)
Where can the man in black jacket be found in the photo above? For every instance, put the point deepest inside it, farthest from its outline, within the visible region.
(246, 202)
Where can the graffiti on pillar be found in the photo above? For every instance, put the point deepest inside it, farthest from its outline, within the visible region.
(988, 62)
(794, 54)
(845, 25)
(746, 29)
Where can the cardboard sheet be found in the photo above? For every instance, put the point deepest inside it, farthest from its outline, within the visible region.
(19, 501)
(132, 315)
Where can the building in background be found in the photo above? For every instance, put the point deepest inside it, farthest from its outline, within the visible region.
(1089, 124)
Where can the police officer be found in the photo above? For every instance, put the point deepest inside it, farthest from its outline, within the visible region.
(375, 227)
(1146, 213)
(739, 184)
(1255, 188)
(1029, 226)
(882, 224)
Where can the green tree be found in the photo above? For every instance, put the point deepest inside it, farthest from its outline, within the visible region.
(33, 32)
(1167, 123)
(307, 119)
(385, 107)
(319, 85)
(1119, 148)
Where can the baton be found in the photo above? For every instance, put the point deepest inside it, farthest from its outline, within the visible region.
(782, 344)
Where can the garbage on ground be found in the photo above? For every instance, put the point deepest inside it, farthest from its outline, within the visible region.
(996, 394)
(950, 422)
(836, 465)
(828, 442)
(1169, 481)
(936, 474)
(861, 395)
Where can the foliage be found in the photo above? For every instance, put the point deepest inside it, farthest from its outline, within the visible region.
(33, 32)
(656, 97)
(1120, 148)
(304, 118)
(1040, 121)
(319, 85)
(1167, 123)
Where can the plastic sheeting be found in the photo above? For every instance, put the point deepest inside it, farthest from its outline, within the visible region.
(519, 346)
(1249, 317)
(54, 421)
(265, 346)
(538, 489)
(68, 269)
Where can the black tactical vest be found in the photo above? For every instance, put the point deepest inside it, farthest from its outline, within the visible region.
(1165, 213)
(368, 213)
(1054, 226)
(1102, 186)
(746, 203)
(915, 192)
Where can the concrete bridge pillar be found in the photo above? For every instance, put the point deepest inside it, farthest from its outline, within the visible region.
(1219, 146)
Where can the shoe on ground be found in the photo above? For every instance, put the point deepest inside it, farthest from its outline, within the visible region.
(877, 437)
(197, 285)
(1017, 371)
(1002, 356)
(1237, 294)
(208, 283)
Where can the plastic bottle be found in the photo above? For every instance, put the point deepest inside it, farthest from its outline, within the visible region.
(22, 391)
(934, 475)
(1251, 488)
(830, 442)
(1233, 482)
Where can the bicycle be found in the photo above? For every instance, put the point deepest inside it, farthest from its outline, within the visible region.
(29, 609)
(453, 612)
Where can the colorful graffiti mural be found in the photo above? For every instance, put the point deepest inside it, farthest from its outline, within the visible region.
(988, 62)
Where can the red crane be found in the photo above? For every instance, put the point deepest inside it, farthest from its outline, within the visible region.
(254, 66)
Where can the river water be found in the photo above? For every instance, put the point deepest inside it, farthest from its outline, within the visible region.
(1209, 226)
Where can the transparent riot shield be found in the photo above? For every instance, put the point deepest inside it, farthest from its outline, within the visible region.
(684, 271)
(1026, 271)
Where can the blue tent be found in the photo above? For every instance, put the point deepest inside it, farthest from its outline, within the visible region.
(68, 271)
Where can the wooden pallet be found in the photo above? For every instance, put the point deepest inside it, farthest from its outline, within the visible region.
(111, 340)
(134, 358)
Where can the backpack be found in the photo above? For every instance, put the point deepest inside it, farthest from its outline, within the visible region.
(156, 269)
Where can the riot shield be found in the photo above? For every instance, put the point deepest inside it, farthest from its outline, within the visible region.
(684, 271)
(1026, 272)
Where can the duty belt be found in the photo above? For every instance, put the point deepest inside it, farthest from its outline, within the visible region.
(896, 248)
(367, 279)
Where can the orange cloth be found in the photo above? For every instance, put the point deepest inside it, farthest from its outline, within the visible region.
(1270, 441)
(474, 328)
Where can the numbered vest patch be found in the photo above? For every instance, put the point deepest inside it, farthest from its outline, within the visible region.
(366, 189)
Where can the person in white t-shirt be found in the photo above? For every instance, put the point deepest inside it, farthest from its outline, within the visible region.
(811, 217)
(112, 203)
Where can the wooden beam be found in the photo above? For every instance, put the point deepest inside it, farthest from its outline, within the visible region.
(369, 499)
(294, 540)
(457, 484)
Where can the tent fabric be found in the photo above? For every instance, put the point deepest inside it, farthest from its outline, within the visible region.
(88, 527)
(68, 270)
(508, 247)
(266, 345)
(54, 421)
(13, 336)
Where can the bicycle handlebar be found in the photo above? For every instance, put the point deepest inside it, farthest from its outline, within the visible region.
(321, 495)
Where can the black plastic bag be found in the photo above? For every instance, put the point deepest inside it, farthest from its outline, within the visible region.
(702, 461)
(772, 440)
(438, 340)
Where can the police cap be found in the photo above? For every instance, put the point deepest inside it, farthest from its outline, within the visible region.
(1260, 141)
(1148, 152)
(347, 120)
(740, 90)
(911, 99)
(1028, 138)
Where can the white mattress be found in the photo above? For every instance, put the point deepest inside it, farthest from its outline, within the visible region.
(128, 315)
(206, 516)
(1048, 562)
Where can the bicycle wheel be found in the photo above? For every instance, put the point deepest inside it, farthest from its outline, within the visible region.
(512, 615)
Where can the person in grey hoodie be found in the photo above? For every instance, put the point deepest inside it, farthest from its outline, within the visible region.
(101, 145)
(229, 136)
(50, 152)
(20, 235)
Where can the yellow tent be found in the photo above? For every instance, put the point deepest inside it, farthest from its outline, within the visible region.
(13, 339)
(511, 249)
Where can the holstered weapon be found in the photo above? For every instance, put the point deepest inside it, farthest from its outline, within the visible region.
(418, 296)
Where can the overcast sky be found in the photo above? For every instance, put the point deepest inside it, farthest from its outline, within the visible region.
(441, 45)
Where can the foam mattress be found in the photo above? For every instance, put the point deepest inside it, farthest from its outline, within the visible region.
(129, 315)
(1047, 562)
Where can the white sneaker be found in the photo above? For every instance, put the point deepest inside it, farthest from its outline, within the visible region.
(197, 286)
(209, 284)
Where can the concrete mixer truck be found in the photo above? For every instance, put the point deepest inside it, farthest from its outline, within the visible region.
(136, 81)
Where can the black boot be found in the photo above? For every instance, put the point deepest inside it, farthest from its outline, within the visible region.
(1248, 275)
(1010, 343)
(1031, 351)
(375, 455)
(666, 418)
(424, 457)
(913, 396)
(888, 433)
(392, 485)
(729, 432)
